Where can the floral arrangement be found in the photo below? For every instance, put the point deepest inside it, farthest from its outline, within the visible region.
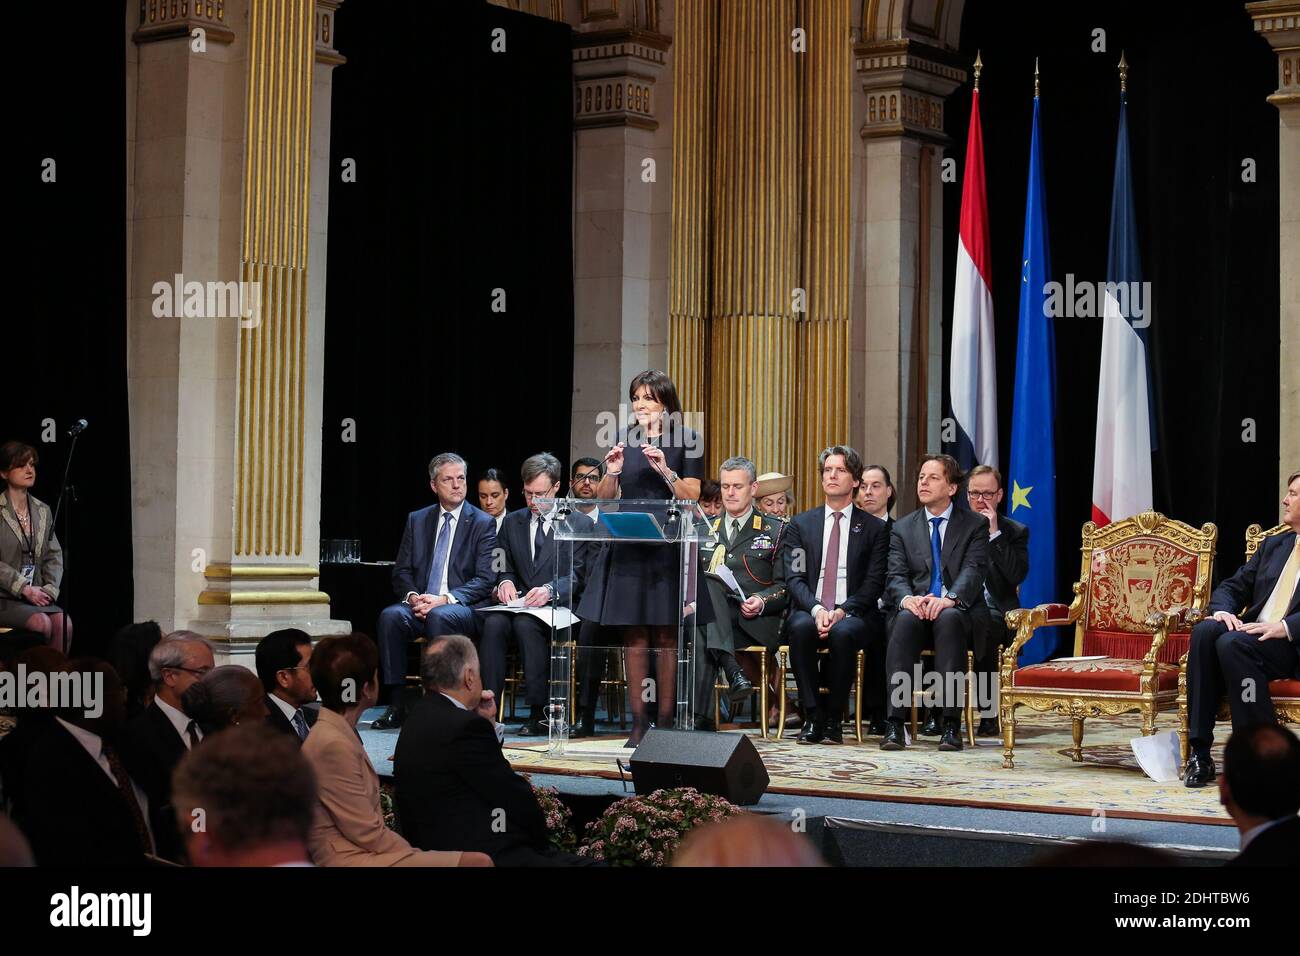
(386, 806)
(559, 818)
(645, 831)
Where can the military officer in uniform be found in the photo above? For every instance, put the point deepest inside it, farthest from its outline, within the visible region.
(748, 545)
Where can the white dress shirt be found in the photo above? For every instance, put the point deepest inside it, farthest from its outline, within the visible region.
(499, 728)
(498, 519)
(94, 745)
(842, 565)
(180, 720)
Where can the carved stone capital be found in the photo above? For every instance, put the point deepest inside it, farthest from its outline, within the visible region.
(906, 83)
(614, 74)
(325, 51)
(1278, 22)
(172, 19)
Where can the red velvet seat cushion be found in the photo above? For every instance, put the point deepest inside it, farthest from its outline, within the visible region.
(1107, 674)
(1284, 688)
(1131, 646)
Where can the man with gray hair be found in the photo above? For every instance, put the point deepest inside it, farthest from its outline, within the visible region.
(531, 569)
(443, 568)
(454, 788)
(154, 741)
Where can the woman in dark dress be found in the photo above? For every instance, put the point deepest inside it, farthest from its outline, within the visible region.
(637, 587)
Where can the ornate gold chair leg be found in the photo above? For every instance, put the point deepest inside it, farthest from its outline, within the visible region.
(780, 689)
(857, 700)
(915, 694)
(717, 706)
(1183, 746)
(970, 698)
(762, 694)
(1008, 707)
(1076, 729)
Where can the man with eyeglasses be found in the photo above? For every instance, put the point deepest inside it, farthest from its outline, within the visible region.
(283, 660)
(528, 571)
(155, 740)
(1008, 566)
(583, 481)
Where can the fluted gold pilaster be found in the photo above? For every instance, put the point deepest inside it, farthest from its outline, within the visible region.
(272, 353)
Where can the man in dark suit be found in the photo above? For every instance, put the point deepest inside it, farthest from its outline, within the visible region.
(937, 560)
(443, 568)
(81, 806)
(154, 741)
(454, 788)
(749, 546)
(528, 563)
(283, 661)
(1249, 640)
(1008, 565)
(1260, 789)
(835, 569)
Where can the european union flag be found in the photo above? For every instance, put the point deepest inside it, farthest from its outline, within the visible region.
(1031, 481)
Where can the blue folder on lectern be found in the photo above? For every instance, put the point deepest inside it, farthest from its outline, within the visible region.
(637, 525)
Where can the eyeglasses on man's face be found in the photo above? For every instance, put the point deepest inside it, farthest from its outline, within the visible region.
(981, 495)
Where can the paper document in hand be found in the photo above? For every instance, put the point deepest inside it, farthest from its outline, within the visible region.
(725, 574)
(559, 618)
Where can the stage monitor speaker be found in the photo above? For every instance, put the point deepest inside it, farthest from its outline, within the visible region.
(722, 764)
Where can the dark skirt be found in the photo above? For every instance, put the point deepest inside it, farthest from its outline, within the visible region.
(633, 583)
(15, 613)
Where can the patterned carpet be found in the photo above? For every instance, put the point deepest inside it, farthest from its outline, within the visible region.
(1044, 778)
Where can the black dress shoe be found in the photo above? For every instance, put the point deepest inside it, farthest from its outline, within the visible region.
(834, 733)
(1200, 771)
(876, 728)
(931, 726)
(704, 723)
(988, 727)
(895, 737)
(813, 733)
(951, 736)
(585, 727)
(392, 717)
(740, 687)
(533, 727)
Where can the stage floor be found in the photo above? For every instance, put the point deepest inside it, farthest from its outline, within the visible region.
(1046, 793)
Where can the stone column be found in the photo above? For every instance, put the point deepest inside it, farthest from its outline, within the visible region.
(1278, 21)
(896, 343)
(621, 227)
(227, 117)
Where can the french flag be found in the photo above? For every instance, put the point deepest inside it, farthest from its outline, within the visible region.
(1121, 471)
(972, 379)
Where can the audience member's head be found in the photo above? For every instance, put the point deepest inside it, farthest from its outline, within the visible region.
(283, 666)
(984, 488)
(1291, 502)
(14, 643)
(492, 492)
(14, 849)
(447, 479)
(92, 697)
(1261, 775)
(244, 797)
(541, 474)
(585, 477)
(41, 659)
(876, 493)
(937, 481)
(129, 652)
(737, 484)
(774, 494)
(450, 666)
(710, 497)
(178, 661)
(746, 840)
(345, 671)
(227, 696)
(841, 471)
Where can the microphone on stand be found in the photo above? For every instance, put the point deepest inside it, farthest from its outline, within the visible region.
(78, 427)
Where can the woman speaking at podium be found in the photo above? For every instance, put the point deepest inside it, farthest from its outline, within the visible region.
(637, 587)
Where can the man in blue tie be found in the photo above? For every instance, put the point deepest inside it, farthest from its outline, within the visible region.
(443, 568)
(938, 558)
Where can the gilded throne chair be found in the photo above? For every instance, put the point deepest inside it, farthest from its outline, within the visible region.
(1285, 693)
(1138, 578)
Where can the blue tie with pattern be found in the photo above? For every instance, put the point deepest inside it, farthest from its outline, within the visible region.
(440, 550)
(936, 560)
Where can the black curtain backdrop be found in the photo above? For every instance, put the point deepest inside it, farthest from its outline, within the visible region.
(1197, 89)
(464, 169)
(65, 328)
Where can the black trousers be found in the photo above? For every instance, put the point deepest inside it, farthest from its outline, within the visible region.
(949, 634)
(834, 670)
(533, 637)
(590, 663)
(990, 630)
(1222, 662)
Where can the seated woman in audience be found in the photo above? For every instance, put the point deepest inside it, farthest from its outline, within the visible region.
(226, 697)
(348, 823)
(31, 560)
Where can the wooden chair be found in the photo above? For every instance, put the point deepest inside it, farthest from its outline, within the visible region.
(1138, 577)
(968, 708)
(1285, 693)
(760, 690)
(783, 670)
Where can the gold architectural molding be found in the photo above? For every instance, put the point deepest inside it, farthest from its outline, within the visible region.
(614, 77)
(172, 19)
(907, 83)
(245, 598)
(325, 52)
(221, 571)
(1278, 22)
(272, 353)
